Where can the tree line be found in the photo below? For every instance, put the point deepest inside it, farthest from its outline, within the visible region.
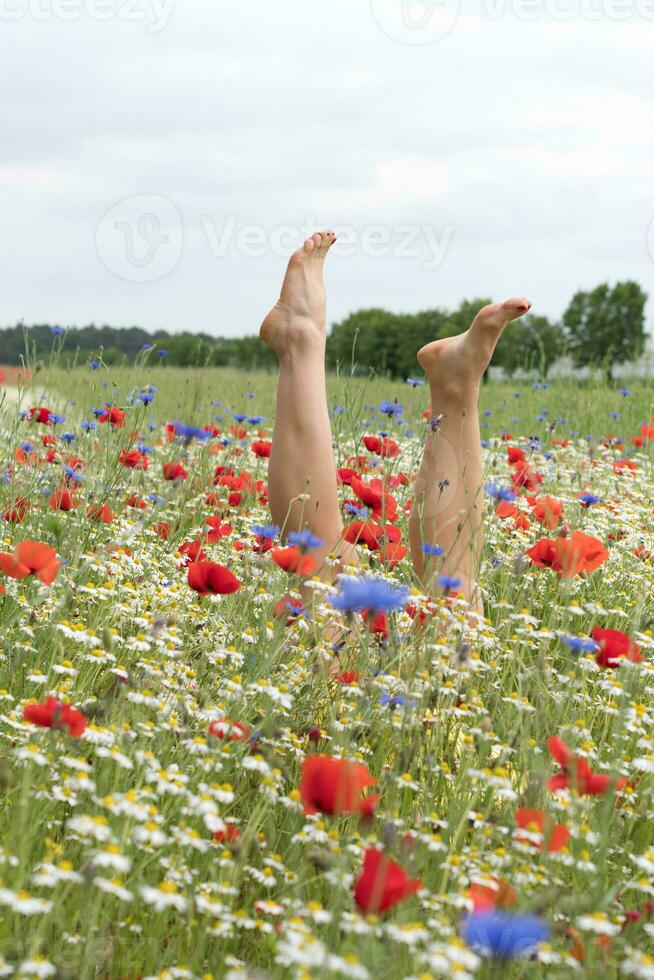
(601, 328)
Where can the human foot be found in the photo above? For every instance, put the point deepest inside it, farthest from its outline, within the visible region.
(461, 360)
(299, 315)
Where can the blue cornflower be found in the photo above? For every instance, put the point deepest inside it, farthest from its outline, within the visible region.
(614, 415)
(485, 444)
(371, 593)
(190, 432)
(146, 397)
(146, 347)
(27, 447)
(580, 644)
(240, 417)
(394, 700)
(588, 499)
(392, 409)
(68, 436)
(516, 394)
(540, 386)
(500, 493)
(415, 382)
(625, 392)
(72, 474)
(142, 448)
(433, 550)
(94, 364)
(256, 419)
(338, 409)
(305, 539)
(57, 331)
(250, 394)
(267, 531)
(355, 511)
(162, 353)
(448, 583)
(154, 499)
(503, 934)
(487, 413)
(88, 426)
(57, 419)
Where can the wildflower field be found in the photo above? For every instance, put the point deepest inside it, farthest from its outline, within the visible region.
(191, 789)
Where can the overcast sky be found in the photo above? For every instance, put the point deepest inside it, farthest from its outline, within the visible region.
(159, 157)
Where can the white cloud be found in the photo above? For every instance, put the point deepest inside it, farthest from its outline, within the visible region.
(529, 138)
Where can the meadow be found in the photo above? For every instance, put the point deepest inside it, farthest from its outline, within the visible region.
(190, 790)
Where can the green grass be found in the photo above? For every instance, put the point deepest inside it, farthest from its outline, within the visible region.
(452, 719)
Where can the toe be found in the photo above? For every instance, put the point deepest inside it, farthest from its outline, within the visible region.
(316, 238)
(517, 306)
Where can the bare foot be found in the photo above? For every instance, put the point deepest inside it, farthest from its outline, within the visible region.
(462, 360)
(299, 315)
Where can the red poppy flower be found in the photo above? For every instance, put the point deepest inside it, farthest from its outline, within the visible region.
(261, 448)
(16, 512)
(569, 556)
(497, 893)
(555, 836)
(524, 476)
(624, 466)
(163, 529)
(208, 578)
(42, 415)
(54, 714)
(375, 496)
(382, 883)
(333, 786)
(576, 774)
(31, 558)
(293, 561)
(229, 835)
(382, 446)
(134, 459)
(174, 471)
(614, 646)
(63, 500)
(113, 415)
(192, 551)
(100, 512)
(218, 529)
(515, 454)
(229, 729)
(548, 511)
(506, 509)
(347, 677)
(392, 554)
(136, 501)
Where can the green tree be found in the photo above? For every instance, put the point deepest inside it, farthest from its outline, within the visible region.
(532, 343)
(606, 326)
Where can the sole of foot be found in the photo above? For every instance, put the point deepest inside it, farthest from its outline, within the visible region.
(464, 358)
(299, 317)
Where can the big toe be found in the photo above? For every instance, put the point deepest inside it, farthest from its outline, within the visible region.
(516, 307)
(499, 314)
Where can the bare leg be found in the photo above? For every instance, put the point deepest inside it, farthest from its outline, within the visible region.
(448, 502)
(302, 472)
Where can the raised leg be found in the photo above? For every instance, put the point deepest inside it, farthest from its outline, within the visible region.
(302, 472)
(448, 502)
